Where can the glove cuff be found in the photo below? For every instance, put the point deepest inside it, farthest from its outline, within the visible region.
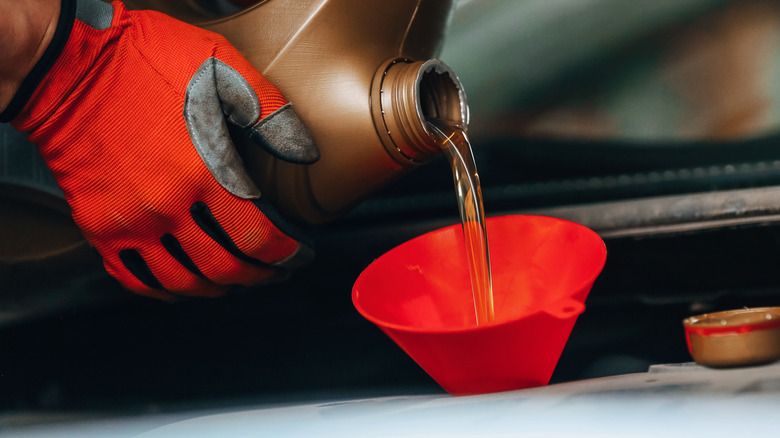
(85, 29)
(42, 67)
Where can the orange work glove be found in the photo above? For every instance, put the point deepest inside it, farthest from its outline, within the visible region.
(129, 110)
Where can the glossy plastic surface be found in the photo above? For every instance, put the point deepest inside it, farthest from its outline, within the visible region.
(737, 337)
(329, 58)
(419, 294)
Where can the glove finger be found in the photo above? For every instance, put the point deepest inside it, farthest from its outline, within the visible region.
(239, 81)
(130, 272)
(252, 102)
(161, 272)
(283, 135)
(304, 254)
(217, 263)
(244, 231)
(190, 281)
(208, 131)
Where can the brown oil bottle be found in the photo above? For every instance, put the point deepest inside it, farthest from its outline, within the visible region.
(361, 75)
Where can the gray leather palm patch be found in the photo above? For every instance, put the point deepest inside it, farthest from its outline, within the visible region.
(218, 94)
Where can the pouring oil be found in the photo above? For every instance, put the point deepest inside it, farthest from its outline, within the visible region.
(455, 145)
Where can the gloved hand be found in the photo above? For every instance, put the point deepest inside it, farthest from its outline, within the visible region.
(129, 110)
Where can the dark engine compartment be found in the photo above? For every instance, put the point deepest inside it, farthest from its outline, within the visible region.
(691, 225)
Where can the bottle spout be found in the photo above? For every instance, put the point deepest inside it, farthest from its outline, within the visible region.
(405, 96)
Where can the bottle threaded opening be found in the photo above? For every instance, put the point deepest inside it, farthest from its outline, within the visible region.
(405, 96)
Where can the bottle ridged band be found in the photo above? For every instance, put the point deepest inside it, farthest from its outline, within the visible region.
(404, 95)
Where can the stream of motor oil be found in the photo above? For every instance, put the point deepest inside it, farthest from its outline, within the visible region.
(455, 145)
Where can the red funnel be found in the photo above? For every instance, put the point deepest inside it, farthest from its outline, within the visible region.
(419, 294)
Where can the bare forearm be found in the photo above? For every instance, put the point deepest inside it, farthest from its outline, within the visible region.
(26, 29)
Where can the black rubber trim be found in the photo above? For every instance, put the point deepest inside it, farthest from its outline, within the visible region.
(42, 67)
(135, 263)
(174, 248)
(202, 216)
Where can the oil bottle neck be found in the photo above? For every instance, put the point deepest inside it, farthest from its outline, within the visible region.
(405, 95)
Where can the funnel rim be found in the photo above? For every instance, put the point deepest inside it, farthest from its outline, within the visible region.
(588, 280)
(456, 330)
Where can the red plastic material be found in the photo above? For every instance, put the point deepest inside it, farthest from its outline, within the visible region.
(420, 295)
(731, 329)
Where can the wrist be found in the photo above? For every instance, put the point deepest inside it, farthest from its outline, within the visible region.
(34, 36)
